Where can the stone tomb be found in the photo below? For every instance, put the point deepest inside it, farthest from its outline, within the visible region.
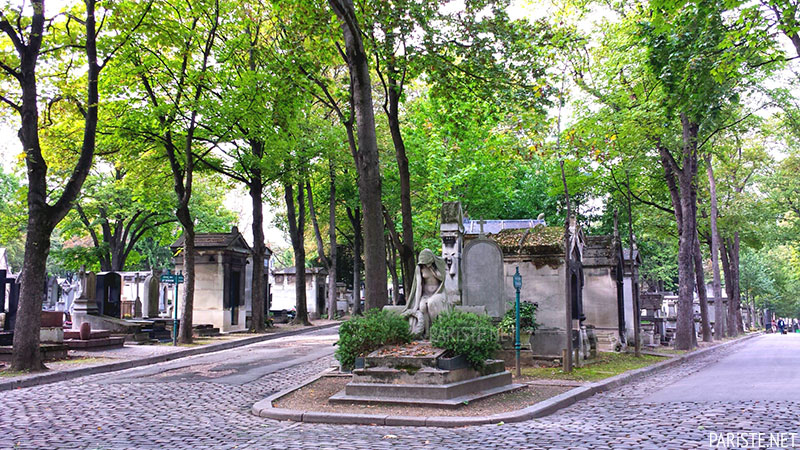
(9, 301)
(603, 292)
(284, 292)
(628, 287)
(219, 291)
(419, 375)
(108, 294)
(540, 255)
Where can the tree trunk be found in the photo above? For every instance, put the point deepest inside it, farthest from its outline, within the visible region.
(686, 275)
(367, 163)
(42, 218)
(737, 311)
(326, 261)
(406, 249)
(334, 253)
(26, 354)
(730, 325)
(355, 220)
(568, 362)
(719, 308)
(705, 325)
(296, 217)
(637, 322)
(258, 286)
(187, 308)
(391, 262)
(682, 193)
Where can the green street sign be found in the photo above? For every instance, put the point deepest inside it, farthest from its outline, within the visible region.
(172, 278)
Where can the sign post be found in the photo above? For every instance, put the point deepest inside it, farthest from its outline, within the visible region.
(175, 279)
(517, 345)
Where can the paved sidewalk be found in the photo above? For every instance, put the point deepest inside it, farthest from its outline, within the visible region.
(90, 362)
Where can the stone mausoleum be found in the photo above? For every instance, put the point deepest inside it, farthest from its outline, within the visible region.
(284, 293)
(604, 293)
(220, 278)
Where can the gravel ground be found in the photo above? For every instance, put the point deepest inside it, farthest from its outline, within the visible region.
(314, 397)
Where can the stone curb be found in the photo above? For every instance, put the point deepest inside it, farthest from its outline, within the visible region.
(64, 375)
(544, 408)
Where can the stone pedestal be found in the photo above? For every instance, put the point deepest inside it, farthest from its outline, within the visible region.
(423, 378)
(81, 308)
(51, 335)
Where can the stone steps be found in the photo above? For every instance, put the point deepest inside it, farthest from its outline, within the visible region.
(106, 342)
(205, 331)
(428, 391)
(453, 402)
(50, 352)
(93, 334)
(372, 360)
(424, 375)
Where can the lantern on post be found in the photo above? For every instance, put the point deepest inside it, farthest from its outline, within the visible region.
(517, 286)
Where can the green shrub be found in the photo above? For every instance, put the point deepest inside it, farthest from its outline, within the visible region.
(362, 335)
(464, 333)
(527, 319)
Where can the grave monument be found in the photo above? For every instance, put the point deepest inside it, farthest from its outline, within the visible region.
(150, 307)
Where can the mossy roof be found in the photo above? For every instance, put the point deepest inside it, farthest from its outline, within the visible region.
(536, 240)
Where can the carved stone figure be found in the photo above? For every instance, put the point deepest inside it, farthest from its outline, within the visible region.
(427, 298)
(451, 232)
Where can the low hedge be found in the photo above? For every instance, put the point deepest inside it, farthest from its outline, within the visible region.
(527, 319)
(467, 334)
(362, 335)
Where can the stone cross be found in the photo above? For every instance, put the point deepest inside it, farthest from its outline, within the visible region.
(481, 222)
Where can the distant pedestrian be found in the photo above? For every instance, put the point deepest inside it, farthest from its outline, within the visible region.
(782, 326)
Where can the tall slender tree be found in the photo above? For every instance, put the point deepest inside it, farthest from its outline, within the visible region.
(173, 84)
(46, 208)
(366, 158)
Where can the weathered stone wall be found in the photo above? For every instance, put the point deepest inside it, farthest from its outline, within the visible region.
(600, 305)
(542, 283)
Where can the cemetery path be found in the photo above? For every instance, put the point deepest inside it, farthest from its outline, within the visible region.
(766, 369)
(191, 406)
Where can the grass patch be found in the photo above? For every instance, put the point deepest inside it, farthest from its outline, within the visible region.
(195, 343)
(12, 373)
(85, 360)
(671, 351)
(606, 365)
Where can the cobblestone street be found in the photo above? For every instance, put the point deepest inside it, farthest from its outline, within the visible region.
(205, 401)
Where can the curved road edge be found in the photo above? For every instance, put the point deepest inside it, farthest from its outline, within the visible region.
(544, 408)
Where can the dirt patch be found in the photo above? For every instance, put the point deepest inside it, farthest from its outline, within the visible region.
(314, 397)
(410, 350)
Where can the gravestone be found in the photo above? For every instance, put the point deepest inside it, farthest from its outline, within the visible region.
(9, 304)
(52, 293)
(150, 297)
(85, 304)
(69, 292)
(483, 282)
(108, 294)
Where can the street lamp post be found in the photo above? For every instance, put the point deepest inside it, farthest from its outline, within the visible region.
(517, 286)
